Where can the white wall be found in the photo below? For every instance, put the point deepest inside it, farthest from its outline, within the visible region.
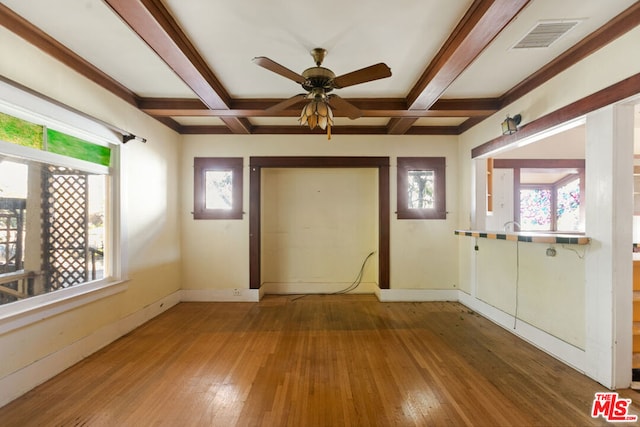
(33, 353)
(216, 253)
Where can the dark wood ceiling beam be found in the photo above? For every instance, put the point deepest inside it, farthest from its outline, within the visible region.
(155, 25)
(399, 126)
(170, 123)
(381, 107)
(616, 27)
(607, 96)
(237, 124)
(470, 122)
(415, 114)
(303, 130)
(32, 34)
(433, 130)
(484, 20)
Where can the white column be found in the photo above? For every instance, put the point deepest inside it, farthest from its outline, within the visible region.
(479, 202)
(608, 266)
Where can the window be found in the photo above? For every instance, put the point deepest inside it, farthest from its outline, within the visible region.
(551, 207)
(217, 188)
(421, 188)
(55, 207)
(548, 194)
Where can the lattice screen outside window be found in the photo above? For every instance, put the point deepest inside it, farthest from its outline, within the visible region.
(65, 213)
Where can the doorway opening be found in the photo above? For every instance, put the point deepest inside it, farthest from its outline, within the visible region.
(381, 164)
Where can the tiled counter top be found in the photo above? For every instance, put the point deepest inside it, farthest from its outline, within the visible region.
(524, 236)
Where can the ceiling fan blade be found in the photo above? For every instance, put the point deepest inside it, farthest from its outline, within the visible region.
(363, 75)
(271, 65)
(283, 105)
(345, 106)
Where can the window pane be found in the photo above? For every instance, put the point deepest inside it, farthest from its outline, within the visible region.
(568, 206)
(218, 189)
(97, 205)
(52, 228)
(20, 131)
(420, 188)
(67, 145)
(535, 209)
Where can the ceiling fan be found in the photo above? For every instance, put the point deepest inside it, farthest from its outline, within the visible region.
(318, 82)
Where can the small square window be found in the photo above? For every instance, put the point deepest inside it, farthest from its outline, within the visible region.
(217, 188)
(421, 188)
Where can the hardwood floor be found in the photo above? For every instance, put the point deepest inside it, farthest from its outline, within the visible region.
(345, 360)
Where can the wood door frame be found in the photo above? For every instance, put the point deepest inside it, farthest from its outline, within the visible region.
(255, 189)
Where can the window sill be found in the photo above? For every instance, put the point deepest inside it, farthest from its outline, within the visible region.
(35, 309)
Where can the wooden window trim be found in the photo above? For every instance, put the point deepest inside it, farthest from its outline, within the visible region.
(438, 166)
(203, 164)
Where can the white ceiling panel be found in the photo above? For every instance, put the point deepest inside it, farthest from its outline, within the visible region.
(90, 29)
(500, 67)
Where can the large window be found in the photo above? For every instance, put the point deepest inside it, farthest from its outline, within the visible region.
(55, 201)
(421, 188)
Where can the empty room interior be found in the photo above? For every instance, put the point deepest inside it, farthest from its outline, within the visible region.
(356, 213)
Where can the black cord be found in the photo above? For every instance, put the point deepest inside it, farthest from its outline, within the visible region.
(349, 288)
(358, 280)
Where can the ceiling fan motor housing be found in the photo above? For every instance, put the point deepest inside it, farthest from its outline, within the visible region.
(318, 77)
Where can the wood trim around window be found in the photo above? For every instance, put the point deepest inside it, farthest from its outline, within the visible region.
(203, 164)
(435, 164)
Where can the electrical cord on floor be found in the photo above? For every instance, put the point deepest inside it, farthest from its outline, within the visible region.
(358, 279)
(349, 288)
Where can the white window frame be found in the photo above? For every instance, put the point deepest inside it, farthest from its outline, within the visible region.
(29, 106)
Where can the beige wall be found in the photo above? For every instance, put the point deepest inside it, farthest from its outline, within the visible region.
(318, 226)
(149, 195)
(216, 253)
(551, 291)
(545, 292)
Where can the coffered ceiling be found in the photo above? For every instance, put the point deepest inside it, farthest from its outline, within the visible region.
(188, 63)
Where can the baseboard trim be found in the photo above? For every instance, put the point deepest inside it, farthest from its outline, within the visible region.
(295, 288)
(561, 350)
(416, 295)
(19, 382)
(221, 295)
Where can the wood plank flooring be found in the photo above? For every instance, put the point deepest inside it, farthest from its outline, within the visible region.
(345, 360)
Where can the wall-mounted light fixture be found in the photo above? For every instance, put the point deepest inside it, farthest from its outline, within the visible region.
(128, 137)
(510, 124)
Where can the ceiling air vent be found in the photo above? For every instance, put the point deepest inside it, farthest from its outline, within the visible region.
(545, 33)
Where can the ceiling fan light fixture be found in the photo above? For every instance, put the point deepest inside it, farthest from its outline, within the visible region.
(317, 113)
(318, 81)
